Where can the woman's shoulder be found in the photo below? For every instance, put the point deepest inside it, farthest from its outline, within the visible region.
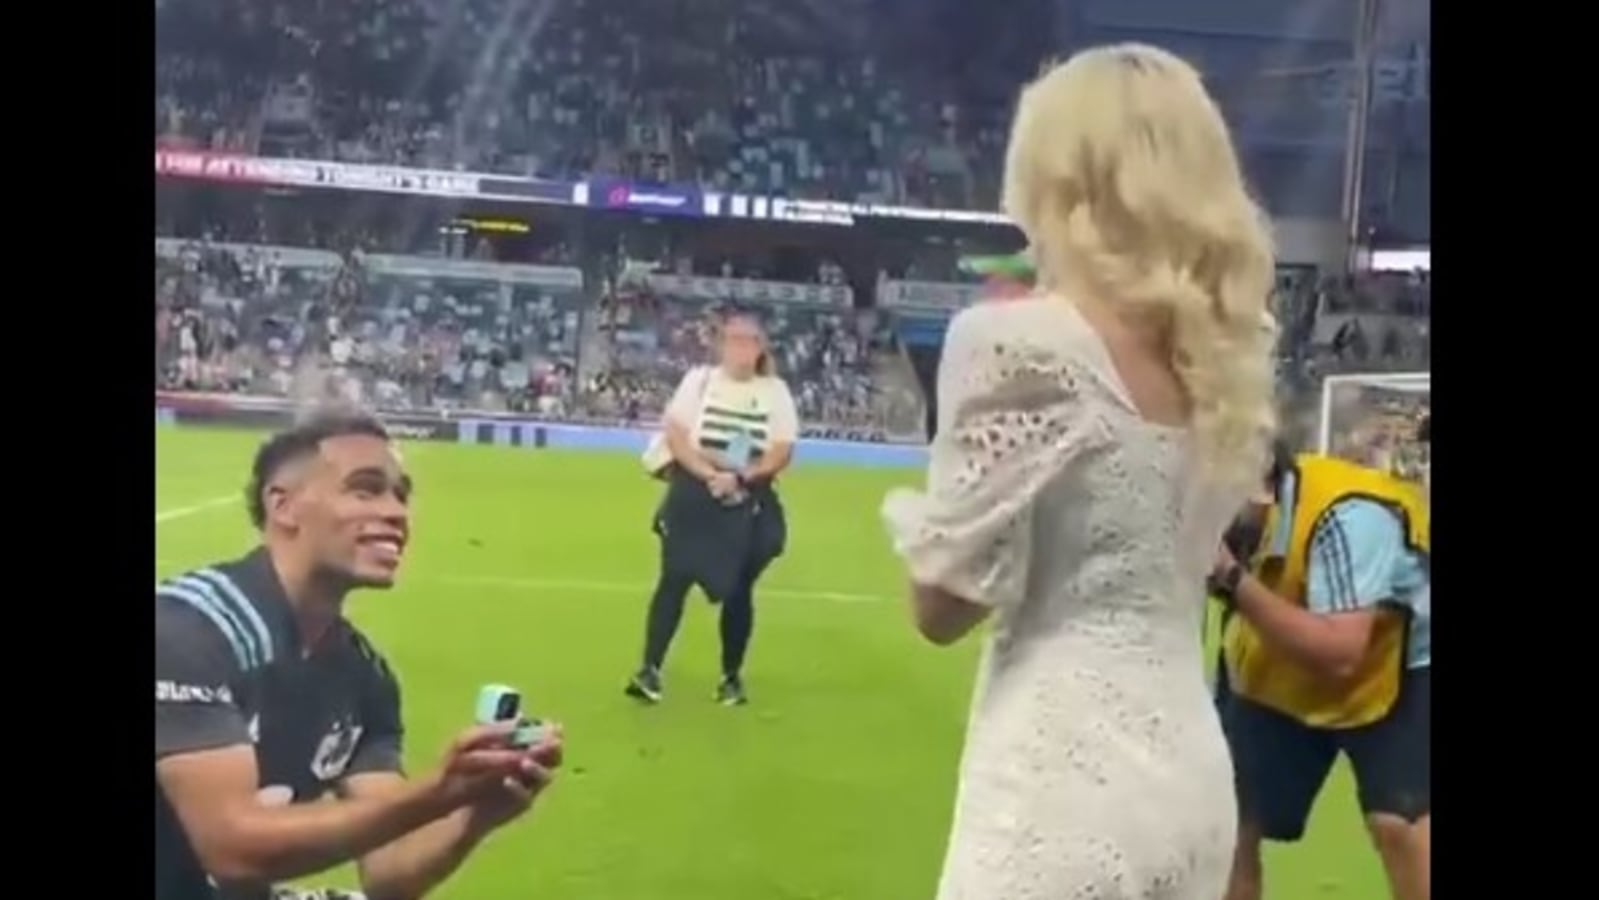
(1035, 326)
(775, 389)
(713, 377)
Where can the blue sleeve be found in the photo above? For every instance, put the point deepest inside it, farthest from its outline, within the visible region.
(1354, 555)
(195, 672)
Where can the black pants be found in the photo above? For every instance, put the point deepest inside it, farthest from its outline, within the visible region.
(722, 548)
(1281, 763)
(666, 611)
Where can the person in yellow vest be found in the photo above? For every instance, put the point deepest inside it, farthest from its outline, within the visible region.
(1327, 649)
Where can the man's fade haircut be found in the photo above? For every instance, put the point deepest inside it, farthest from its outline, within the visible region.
(301, 440)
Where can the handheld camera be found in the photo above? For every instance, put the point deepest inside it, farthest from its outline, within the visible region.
(498, 703)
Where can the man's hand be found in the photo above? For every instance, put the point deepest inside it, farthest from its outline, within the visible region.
(489, 783)
(1225, 577)
(479, 762)
(515, 795)
(1224, 561)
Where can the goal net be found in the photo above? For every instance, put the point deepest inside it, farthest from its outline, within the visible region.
(1371, 419)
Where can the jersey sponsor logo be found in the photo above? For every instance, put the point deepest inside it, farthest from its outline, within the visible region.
(282, 893)
(333, 754)
(172, 692)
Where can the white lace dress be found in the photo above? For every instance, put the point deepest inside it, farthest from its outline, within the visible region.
(1094, 765)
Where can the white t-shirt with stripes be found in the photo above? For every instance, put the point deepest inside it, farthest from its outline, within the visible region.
(722, 412)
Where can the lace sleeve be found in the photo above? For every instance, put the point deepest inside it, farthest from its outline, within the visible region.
(1010, 418)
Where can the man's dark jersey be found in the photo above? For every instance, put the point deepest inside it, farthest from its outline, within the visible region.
(229, 670)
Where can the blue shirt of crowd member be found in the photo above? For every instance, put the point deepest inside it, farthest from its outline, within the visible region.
(1358, 560)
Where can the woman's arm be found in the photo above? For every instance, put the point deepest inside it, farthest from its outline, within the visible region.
(942, 617)
(1008, 423)
(678, 424)
(771, 464)
(685, 453)
(782, 430)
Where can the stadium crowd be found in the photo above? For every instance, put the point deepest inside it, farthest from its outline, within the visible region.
(754, 96)
(652, 331)
(314, 325)
(408, 333)
(411, 332)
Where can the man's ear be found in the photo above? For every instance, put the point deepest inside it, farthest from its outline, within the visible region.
(281, 495)
(277, 499)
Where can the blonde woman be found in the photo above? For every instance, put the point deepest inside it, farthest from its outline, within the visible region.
(730, 429)
(1094, 441)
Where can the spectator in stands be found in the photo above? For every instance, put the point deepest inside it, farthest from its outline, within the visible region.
(257, 326)
(728, 433)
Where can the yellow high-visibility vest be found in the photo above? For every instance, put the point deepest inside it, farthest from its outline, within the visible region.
(1260, 673)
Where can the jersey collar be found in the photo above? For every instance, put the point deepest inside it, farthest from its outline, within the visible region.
(271, 600)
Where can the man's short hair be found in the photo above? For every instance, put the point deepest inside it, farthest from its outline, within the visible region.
(1424, 429)
(302, 439)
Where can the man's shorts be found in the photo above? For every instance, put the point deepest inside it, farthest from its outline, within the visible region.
(1281, 763)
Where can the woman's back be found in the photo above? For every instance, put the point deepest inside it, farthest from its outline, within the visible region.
(1095, 765)
(1092, 726)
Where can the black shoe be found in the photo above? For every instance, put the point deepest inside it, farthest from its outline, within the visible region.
(646, 686)
(731, 692)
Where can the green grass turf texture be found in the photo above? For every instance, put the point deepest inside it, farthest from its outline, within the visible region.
(532, 568)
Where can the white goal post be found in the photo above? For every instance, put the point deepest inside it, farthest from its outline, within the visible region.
(1417, 385)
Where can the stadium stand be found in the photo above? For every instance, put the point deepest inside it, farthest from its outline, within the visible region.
(387, 300)
(740, 96)
(395, 332)
(413, 332)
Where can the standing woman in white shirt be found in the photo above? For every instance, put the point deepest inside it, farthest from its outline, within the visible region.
(1094, 441)
(730, 429)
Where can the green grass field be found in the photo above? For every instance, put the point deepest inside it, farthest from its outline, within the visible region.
(532, 568)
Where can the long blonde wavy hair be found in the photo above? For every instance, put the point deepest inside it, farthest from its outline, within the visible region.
(1122, 174)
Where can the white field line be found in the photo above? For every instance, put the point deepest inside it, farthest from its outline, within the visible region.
(184, 512)
(587, 586)
(582, 585)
